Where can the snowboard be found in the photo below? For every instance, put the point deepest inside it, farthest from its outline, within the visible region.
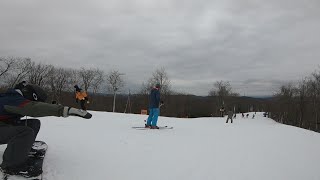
(37, 154)
(160, 127)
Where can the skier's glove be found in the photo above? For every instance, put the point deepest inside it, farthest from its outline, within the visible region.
(77, 101)
(69, 111)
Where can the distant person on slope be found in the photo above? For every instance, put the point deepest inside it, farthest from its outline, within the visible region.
(222, 111)
(154, 107)
(230, 115)
(81, 96)
(20, 134)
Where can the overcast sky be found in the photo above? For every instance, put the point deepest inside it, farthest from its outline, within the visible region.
(255, 45)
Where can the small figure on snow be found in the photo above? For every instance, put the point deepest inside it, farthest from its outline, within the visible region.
(20, 134)
(234, 116)
(253, 116)
(221, 111)
(154, 107)
(81, 96)
(230, 115)
(247, 115)
(242, 115)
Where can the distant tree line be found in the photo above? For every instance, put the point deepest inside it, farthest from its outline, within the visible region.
(105, 89)
(298, 104)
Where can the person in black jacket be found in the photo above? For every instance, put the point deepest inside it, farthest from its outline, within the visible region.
(154, 107)
(20, 134)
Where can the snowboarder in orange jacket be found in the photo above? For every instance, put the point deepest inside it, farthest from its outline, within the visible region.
(81, 96)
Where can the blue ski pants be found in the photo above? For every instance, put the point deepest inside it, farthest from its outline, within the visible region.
(153, 116)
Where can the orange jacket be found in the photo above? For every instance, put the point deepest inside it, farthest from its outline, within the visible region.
(82, 95)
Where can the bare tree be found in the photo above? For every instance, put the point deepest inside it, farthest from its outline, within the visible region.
(314, 93)
(87, 76)
(6, 64)
(286, 100)
(222, 89)
(302, 95)
(145, 88)
(115, 83)
(97, 81)
(39, 74)
(74, 79)
(21, 69)
(91, 79)
(159, 76)
(299, 104)
(58, 82)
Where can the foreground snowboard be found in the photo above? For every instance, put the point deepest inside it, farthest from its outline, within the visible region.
(37, 155)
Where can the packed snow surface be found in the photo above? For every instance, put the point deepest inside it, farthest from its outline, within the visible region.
(106, 147)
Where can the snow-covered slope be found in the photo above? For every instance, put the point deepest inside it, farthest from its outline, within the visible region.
(106, 147)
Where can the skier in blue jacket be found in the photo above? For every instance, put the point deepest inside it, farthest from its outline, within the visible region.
(20, 134)
(154, 107)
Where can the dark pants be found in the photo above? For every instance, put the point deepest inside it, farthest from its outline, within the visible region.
(19, 137)
(228, 119)
(82, 103)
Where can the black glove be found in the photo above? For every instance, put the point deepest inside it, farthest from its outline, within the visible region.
(77, 101)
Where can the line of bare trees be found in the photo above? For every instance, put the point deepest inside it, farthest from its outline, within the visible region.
(59, 81)
(105, 89)
(299, 104)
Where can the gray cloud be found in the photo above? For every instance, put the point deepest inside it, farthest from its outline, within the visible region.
(255, 45)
